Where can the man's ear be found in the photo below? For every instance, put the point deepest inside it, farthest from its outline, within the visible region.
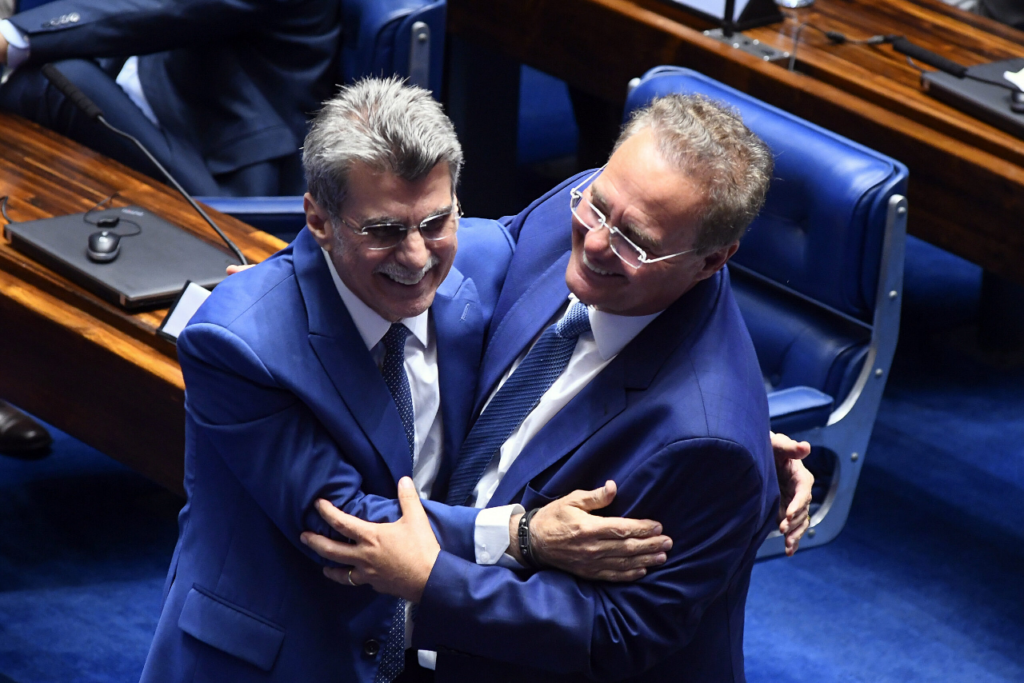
(317, 221)
(715, 260)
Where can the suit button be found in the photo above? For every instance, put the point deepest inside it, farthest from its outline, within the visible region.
(371, 648)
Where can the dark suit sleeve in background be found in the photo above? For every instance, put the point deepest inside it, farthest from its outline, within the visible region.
(69, 29)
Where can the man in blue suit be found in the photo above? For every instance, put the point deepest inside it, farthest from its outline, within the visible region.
(219, 90)
(340, 365)
(658, 389)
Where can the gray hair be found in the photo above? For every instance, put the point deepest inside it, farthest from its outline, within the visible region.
(708, 142)
(383, 123)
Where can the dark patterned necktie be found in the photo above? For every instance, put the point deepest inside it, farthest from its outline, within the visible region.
(393, 370)
(392, 659)
(516, 398)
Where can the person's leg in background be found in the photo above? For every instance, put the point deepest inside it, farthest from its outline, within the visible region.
(30, 95)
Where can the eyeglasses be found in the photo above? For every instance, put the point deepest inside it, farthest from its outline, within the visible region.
(434, 228)
(591, 218)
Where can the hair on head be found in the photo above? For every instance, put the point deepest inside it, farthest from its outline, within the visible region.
(384, 123)
(708, 142)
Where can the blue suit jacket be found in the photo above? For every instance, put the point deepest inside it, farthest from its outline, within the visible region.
(234, 79)
(680, 421)
(285, 405)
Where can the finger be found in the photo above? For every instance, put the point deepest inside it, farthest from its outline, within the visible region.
(784, 447)
(238, 269)
(620, 576)
(622, 564)
(596, 499)
(343, 574)
(409, 501)
(621, 527)
(342, 553)
(802, 494)
(793, 540)
(796, 515)
(631, 547)
(344, 523)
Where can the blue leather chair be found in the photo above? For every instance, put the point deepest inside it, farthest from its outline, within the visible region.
(404, 37)
(819, 281)
(379, 38)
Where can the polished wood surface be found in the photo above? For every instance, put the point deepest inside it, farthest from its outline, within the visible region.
(966, 177)
(87, 367)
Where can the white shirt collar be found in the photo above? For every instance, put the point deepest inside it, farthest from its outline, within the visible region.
(612, 332)
(372, 327)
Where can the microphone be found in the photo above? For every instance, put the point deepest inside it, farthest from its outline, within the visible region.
(89, 108)
(928, 57)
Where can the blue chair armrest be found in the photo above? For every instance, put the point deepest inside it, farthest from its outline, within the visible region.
(798, 408)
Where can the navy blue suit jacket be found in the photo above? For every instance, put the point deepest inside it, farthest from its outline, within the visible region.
(236, 80)
(285, 405)
(680, 421)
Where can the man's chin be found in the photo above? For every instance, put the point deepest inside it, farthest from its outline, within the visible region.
(405, 301)
(588, 290)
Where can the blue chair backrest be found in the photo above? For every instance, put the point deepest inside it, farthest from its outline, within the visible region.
(820, 232)
(378, 39)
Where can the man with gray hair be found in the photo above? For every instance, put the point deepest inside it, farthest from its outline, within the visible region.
(342, 364)
(616, 352)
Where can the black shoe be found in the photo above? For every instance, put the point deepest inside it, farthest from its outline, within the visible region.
(20, 435)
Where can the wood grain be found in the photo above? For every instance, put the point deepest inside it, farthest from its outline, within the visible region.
(966, 177)
(84, 365)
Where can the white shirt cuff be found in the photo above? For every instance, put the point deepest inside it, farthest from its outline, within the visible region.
(427, 659)
(490, 537)
(17, 44)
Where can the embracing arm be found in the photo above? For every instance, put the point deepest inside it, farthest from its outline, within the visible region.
(708, 494)
(284, 457)
(278, 449)
(713, 501)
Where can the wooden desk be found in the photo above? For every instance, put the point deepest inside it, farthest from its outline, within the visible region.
(966, 178)
(87, 367)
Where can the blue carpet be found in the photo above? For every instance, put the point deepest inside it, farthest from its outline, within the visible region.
(84, 546)
(924, 584)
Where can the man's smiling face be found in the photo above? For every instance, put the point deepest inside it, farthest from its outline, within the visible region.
(399, 282)
(657, 207)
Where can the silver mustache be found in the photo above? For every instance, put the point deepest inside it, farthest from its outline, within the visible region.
(402, 274)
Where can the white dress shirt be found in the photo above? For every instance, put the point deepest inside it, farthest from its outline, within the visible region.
(421, 369)
(609, 334)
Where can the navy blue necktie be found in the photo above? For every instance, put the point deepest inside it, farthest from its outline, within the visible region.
(516, 398)
(393, 370)
(392, 659)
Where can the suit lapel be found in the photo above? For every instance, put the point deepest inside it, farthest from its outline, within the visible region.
(524, 320)
(597, 403)
(345, 359)
(605, 396)
(459, 325)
